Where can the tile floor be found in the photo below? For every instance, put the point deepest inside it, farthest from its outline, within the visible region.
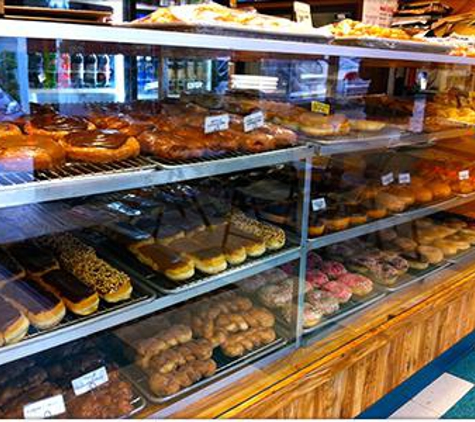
(444, 389)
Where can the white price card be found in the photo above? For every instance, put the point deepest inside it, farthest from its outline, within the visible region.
(387, 179)
(46, 408)
(253, 121)
(90, 381)
(404, 178)
(194, 85)
(303, 13)
(464, 175)
(216, 123)
(319, 204)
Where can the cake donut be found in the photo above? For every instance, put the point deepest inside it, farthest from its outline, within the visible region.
(317, 278)
(323, 301)
(100, 146)
(340, 291)
(333, 269)
(359, 284)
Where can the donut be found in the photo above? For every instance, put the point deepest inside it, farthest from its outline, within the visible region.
(8, 129)
(100, 146)
(56, 125)
(25, 153)
(333, 269)
(359, 284)
(338, 290)
(317, 278)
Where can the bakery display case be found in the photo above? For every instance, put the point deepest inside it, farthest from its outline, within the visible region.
(176, 243)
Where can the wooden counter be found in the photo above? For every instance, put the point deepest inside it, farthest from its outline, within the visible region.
(340, 376)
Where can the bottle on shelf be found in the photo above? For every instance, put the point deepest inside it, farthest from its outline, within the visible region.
(50, 61)
(36, 74)
(77, 70)
(150, 70)
(180, 75)
(64, 71)
(90, 71)
(141, 73)
(103, 70)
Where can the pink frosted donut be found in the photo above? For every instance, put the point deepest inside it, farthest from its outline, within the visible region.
(333, 269)
(317, 278)
(339, 290)
(359, 284)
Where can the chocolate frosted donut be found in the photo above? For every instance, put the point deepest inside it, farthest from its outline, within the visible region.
(28, 153)
(100, 146)
(56, 125)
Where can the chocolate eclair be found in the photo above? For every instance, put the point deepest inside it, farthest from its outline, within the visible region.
(35, 260)
(41, 307)
(10, 268)
(13, 324)
(78, 297)
(100, 146)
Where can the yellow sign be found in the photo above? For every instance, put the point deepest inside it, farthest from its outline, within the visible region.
(318, 107)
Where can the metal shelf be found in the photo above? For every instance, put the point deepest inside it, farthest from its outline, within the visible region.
(385, 223)
(391, 140)
(106, 321)
(114, 179)
(109, 34)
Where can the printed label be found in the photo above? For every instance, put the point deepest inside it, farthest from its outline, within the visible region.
(216, 123)
(303, 13)
(323, 108)
(404, 178)
(319, 204)
(387, 179)
(90, 381)
(194, 85)
(253, 121)
(46, 408)
(464, 175)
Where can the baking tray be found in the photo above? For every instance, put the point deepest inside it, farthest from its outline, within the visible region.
(394, 44)
(138, 402)
(231, 30)
(349, 308)
(386, 134)
(126, 261)
(141, 294)
(413, 277)
(225, 365)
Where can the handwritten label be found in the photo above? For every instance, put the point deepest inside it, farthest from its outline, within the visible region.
(323, 108)
(404, 178)
(253, 121)
(216, 123)
(303, 13)
(387, 179)
(194, 85)
(90, 381)
(319, 204)
(464, 175)
(46, 408)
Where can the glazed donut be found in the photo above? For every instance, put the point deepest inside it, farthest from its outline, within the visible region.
(56, 125)
(100, 146)
(28, 153)
(8, 129)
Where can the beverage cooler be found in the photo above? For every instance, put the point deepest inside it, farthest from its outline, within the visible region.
(217, 250)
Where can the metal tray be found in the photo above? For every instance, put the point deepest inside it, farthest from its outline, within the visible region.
(221, 158)
(349, 308)
(413, 277)
(455, 259)
(225, 365)
(232, 30)
(127, 262)
(394, 44)
(138, 402)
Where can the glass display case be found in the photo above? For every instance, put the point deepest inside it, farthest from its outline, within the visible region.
(168, 244)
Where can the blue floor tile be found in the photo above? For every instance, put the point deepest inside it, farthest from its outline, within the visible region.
(464, 408)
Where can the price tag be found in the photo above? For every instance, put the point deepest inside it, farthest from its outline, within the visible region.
(404, 178)
(46, 408)
(323, 108)
(194, 85)
(216, 123)
(303, 13)
(90, 381)
(387, 179)
(464, 175)
(253, 121)
(319, 204)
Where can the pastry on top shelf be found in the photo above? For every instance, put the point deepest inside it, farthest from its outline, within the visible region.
(26, 153)
(100, 146)
(42, 308)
